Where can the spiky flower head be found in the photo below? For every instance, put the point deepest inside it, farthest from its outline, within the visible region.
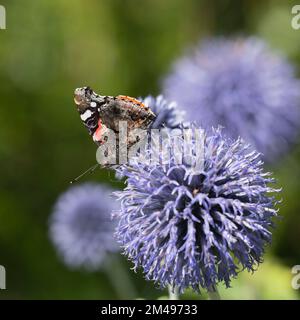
(167, 112)
(242, 85)
(195, 228)
(81, 227)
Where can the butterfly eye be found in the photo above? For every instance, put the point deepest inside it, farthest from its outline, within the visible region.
(82, 97)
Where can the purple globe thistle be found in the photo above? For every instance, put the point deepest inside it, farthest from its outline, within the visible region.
(167, 113)
(245, 87)
(195, 229)
(81, 227)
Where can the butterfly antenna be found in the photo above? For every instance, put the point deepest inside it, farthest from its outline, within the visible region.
(88, 171)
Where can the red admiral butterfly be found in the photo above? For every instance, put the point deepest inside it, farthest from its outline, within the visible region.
(100, 113)
(103, 113)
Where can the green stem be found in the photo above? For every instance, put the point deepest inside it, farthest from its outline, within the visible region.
(213, 293)
(173, 294)
(119, 278)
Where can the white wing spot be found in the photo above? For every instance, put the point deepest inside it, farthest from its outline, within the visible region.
(86, 115)
(93, 104)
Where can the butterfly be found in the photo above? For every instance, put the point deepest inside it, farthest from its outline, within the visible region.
(100, 113)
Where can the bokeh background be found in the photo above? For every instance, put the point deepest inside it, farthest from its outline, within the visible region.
(126, 47)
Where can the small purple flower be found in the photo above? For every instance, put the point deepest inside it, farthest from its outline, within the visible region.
(81, 227)
(167, 113)
(245, 87)
(195, 229)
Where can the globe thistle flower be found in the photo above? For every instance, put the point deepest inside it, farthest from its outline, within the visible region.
(188, 228)
(167, 113)
(81, 227)
(245, 87)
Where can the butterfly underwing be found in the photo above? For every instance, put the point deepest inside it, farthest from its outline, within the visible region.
(100, 113)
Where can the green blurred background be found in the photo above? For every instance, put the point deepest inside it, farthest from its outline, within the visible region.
(51, 47)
